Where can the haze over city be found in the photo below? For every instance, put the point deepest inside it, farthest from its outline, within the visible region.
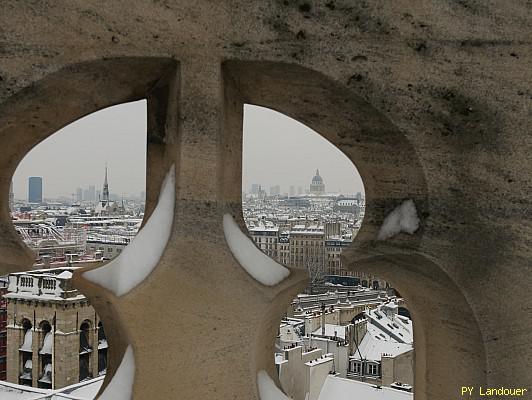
(277, 151)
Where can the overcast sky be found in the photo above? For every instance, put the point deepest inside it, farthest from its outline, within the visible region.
(277, 151)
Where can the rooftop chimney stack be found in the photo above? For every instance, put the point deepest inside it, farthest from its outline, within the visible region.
(323, 318)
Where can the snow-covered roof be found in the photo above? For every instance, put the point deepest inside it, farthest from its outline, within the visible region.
(330, 331)
(397, 326)
(319, 361)
(80, 391)
(375, 344)
(347, 389)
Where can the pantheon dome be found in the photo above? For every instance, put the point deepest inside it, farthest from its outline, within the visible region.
(317, 186)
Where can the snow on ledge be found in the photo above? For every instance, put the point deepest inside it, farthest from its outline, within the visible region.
(142, 255)
(403, 218)
(268, 390)
(121, 386)
(261, 267)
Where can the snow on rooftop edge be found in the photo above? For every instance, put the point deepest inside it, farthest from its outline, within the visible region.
(336, 388)
(121, 386)
(142, 255)
(268, 390)
(261, 267)
(403, 218)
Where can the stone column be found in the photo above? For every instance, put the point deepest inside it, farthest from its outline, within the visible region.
(199, 325)
(36, 368)
(94, 354)
(13, 354)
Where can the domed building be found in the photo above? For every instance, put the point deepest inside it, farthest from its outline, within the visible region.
(317, 186)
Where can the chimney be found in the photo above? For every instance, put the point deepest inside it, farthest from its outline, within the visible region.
(323, 318)
(46, 259)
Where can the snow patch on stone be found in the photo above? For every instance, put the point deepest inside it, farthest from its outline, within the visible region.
(141, 256)
(403, 218)
(47, 345)
(121, 386)
(268, 390)
(65, 275)
(261, 267)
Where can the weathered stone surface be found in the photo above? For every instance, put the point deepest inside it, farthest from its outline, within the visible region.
(431, 100)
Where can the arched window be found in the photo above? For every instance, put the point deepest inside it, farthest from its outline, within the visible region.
(26, 365)
(45, 354)
(85, 350)
(102, 350)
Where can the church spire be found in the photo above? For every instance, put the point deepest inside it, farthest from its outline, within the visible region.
(105, 191)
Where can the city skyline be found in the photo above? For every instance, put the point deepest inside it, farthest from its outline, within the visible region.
(277, 150)
(293, 163)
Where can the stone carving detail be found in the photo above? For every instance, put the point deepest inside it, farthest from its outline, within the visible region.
(413, 96)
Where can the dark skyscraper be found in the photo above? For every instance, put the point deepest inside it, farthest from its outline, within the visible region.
(34, 189)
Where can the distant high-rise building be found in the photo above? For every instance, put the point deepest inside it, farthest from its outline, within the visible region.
(98, 195)
(261, 193)
(79, 195)
(292, 191)
(299, 190)
(317, 187)
(275, 190)
(35, 189)
(255, 188)
(92, 193)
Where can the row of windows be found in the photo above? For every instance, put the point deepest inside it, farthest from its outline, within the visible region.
(266, 240)
(371, 369)
(109, 249)
(305, 250)
(308, 242)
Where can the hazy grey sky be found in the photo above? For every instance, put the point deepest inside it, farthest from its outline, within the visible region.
(75, 156)
(277, 151)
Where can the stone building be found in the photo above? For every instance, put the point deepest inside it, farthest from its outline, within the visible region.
(385, 353)
(284, 248)
(348, 205)
(54, 336)
(307, 246)
(333, 250)
(357, 346)
(267, 239)
(317, 186)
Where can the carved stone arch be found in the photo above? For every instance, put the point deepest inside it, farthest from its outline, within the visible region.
(391, 172)
(62, 97)
(195, 122)
(384, 156)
